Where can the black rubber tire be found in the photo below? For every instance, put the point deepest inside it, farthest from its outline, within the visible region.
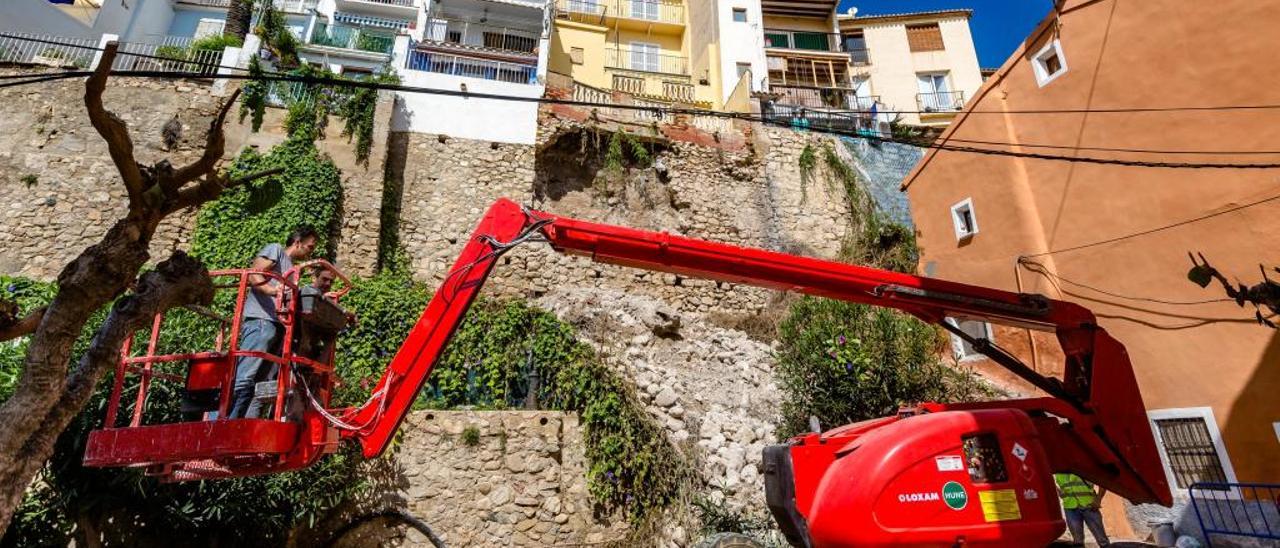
(391, 515)
(728, 540)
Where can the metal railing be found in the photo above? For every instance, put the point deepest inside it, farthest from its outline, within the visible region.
(400, 3)
(801, 117)
(859, 57)
(660, 11)
(653, 85)
(457, 65)
(801, 40)
(295, 6)
(582, 11)
(208, 3)
(822, 97)
(470, 33)
(940, 101)
(348, 37)
(170, 54)
(1237, 509)
(646, 61)
(33, 49)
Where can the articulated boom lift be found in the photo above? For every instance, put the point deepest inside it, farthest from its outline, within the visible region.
(938, 474)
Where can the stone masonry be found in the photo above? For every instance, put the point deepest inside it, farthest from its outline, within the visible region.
(60, 191)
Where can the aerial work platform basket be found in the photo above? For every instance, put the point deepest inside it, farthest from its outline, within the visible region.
(198, 440)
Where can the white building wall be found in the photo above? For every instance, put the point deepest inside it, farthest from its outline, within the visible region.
(467, 118)
(40, 17)
(741, 43)
(894, 66)
(150, 22)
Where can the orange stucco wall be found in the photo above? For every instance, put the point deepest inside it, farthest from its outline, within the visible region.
(1121, 54)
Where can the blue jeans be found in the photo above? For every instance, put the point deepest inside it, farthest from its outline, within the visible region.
(1077, 518)
(261, 336)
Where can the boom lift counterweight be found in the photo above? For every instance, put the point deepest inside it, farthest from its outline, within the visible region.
(976, 473)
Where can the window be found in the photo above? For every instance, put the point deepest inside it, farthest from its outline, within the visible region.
(962, 349)
(1191, 446)
(1049, 63)
(645, 57)
(856, 44)
(739, 15)
(644, 9)
(208, 27)
(963, 219)
(926, 37)
(983, 459)
(934, 94)
(576, 55)
(454, 37)
(743, 68)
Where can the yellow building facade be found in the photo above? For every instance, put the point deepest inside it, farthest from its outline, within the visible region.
(640, 47)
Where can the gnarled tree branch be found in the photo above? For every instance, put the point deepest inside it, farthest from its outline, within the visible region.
(214, 148)
(14, 327)
(113, 129)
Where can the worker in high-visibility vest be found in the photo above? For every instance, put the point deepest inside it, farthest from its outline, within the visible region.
(1081, 504)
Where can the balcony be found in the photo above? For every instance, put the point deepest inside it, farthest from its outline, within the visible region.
(832, 98)
(387, 8)
(940, 101)
(654, 86)
(464, 33)
(337, 35)
(661, 15)
(801, 40)
(642, 60)
(472, 67)
(295, 6)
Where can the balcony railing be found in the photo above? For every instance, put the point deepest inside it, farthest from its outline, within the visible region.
(661, 11)
(469, 33)
(799, 117)
(651, 85)
(802, 40)
(646, 61)
(822, 97)
(295, 6)
(940, 101)
(356, 38)
(860, 57)
(582, 11)
(457, 65)
(400, 3)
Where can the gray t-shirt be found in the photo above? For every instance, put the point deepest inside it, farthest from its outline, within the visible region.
(262, 306)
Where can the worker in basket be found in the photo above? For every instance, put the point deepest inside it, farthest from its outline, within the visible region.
(321, 319)
(260, 329)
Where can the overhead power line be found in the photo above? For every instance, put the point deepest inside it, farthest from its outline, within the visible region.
(660, 110)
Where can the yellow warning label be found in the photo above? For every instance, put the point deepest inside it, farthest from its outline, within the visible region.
(1000, 505)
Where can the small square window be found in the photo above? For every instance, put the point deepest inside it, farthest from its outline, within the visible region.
(1049, 63)
(576, 55)
(740, 15)
(1191, 449)
(962, 349)
(964, 220)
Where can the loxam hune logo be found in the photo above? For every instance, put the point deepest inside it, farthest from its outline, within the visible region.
(954, 495)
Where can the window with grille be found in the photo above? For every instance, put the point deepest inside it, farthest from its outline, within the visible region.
(1191, 454)
(927, 37)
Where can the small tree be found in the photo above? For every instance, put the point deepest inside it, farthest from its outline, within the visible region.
(239, 17)
(48, 394)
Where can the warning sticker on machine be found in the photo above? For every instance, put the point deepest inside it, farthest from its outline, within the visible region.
(949, 464)
(1000, 505)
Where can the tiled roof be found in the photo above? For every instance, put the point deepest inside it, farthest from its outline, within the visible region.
(904, 15)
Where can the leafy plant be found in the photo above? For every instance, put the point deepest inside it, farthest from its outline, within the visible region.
(471, 436)
(273, 27)
(359, 110)
(216, 42)
(253, 95)
(177, 53)
(873, 238)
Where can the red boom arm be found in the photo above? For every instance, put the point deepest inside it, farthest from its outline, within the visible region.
(1095, 420)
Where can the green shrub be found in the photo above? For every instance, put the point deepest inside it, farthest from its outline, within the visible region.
(172, 52)
(471, 436)
(217, 42)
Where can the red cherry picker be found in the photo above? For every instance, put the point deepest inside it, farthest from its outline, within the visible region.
(940, 474)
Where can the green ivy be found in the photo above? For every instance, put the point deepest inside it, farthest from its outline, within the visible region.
(253, 100)
(230, 230)
(359, 111)
(873, 239)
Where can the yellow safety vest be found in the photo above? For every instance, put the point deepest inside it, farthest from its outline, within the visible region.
(1076, 492)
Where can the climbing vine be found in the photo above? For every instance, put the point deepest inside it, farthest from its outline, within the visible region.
(359, 110)
(253, 95)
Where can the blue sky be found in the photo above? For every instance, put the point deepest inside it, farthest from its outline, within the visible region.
(998, 26)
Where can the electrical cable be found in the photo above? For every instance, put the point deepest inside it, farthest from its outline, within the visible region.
(1044, 271)
(660, 110)
(1157, 229)
(1110, 149)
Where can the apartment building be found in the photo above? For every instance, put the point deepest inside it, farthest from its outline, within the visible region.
(496, 47)
(1116, 238)
(921, 65)
(638, 47)
(809, 77)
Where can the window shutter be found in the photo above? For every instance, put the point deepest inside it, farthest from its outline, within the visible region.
(926, 37)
